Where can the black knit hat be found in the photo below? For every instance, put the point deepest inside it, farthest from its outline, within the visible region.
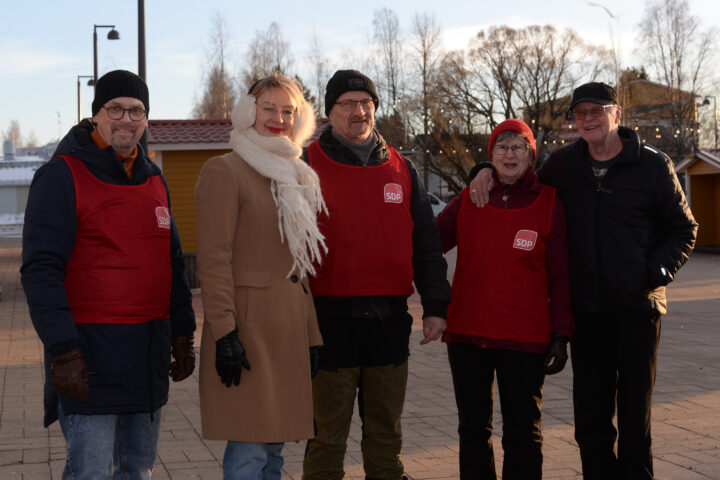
(347, 81)
(119, 83)
(595, 92)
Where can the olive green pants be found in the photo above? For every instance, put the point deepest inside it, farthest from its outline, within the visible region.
(381, 395)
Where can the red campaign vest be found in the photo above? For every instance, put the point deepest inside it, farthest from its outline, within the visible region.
(119, 271)
(500, 286)
(369, 230)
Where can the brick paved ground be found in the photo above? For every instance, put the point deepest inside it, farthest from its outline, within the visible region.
(686, 415)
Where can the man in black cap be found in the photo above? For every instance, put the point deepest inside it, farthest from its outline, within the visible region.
(629, 231)
(104, 276)
(381, 237)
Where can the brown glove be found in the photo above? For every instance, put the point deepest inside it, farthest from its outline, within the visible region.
(184, 355)
(70, 375)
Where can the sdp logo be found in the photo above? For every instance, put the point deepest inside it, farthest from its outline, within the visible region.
(525, 240)
(393, 193)
(163, 217)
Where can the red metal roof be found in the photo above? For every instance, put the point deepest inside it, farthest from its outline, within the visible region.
(204, 131)
(189, 131)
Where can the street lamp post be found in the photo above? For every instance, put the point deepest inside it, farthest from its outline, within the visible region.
(79, 97)
(112, 35)
(707, 102)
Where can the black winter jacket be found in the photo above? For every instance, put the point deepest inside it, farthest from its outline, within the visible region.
(428, 263)
(628, 235)
(128, 364)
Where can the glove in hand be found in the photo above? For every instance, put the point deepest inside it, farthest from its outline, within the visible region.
(230, 359)
(314, 360)
(556, 355)
(70, 375)
(184, 355)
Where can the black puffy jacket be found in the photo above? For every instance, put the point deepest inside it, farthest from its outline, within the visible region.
(628, 235)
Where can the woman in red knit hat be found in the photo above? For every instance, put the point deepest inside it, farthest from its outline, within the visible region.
(511, 310)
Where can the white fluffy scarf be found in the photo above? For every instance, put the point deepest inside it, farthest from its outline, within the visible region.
(295, 186)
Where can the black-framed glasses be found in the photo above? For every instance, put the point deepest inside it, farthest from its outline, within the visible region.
(583, 113)
(116, 112)
(349, 105)
(516, 149)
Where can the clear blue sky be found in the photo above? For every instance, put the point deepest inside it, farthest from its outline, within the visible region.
(46, 44)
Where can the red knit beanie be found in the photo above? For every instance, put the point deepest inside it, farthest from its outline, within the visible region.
(513, 125)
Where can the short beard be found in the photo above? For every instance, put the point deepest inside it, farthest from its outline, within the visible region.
(124, 147)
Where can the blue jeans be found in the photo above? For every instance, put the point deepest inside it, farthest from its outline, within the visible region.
(110, 447)
(252, 461)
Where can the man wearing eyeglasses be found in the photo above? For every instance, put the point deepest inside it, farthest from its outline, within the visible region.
(381, 236)
(104, 276)
(629, 231)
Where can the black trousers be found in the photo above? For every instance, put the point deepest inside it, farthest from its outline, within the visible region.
(614, 361)
(520, 378)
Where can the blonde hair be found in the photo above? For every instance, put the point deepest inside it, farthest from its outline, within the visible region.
(279, 80)
(243, 115)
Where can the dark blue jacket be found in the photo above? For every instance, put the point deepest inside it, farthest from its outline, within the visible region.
(128, 364)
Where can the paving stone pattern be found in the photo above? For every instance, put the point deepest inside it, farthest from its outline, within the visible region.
(686, 413)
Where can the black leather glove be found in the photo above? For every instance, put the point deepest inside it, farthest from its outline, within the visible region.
(184, 355)
(70, 375)
(314, 360)
(556, 355)
(230, 358)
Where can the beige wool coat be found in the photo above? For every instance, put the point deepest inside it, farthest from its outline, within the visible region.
(242, 268)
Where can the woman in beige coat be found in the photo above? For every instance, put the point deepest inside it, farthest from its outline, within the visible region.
(257, 239)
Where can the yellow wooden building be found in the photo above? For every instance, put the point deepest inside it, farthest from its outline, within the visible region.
(702, 187)
(180, 148)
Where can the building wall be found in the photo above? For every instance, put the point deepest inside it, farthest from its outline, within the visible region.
(21, 197)
(181, 169)
(706, 208)
(13, 198)
(8, 199)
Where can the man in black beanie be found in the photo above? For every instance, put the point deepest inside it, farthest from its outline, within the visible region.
(381, 237)
(104, 276)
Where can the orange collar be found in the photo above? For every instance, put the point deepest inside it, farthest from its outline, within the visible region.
(127, 162)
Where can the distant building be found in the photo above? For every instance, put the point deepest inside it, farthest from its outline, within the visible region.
(16, 172)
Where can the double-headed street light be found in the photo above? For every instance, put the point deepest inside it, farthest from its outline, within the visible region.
(112, 35)
(79, 101)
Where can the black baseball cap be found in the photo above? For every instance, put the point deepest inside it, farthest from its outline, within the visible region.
(595, 92)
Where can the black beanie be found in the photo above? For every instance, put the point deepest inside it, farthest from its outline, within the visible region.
(119, 83)
(346, 81)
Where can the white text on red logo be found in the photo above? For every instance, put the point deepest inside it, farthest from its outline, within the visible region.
(525, 240)
(393, 193)
(163, 217)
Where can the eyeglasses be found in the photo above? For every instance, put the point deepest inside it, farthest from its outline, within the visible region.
(582, 114)
(349, 105)
(117, 112)
(516, 149)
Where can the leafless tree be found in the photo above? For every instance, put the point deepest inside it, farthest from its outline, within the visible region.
(218, 97)
(389, 64)
(425, 44)
(32, 140)
(495, 58)
(268, 52)
(320, 72)
(550, 63)
(677, 49)
(13, 133)
(455, 142)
